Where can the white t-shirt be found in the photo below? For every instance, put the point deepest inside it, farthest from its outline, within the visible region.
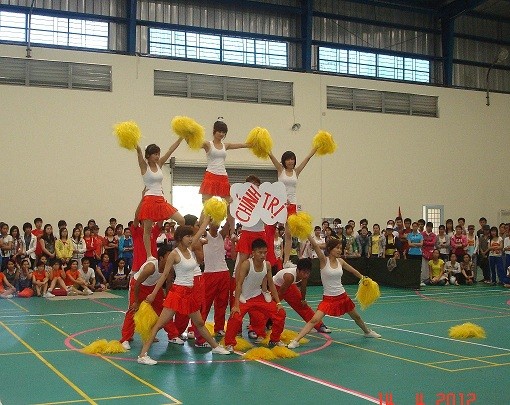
(5, 239)
(507, 244)
(214, 254)
(216, 159)
(87, 276)
(332, 279)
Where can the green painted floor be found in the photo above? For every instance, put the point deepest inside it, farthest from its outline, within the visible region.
(414, 363)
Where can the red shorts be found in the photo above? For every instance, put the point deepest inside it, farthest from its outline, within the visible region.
(291, 209)
(155, 208)
(215, 184)
(247, 238)
(336, 305)
(181, 299)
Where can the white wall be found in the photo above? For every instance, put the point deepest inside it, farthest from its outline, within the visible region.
(60, 159)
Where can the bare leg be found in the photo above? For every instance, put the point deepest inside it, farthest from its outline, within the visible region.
(310, 325)
(147, 227)
(165, 316)
(53, 283)
(288, 244)
(177, 217)
(61, 283)
(196, 318)
(355, 316)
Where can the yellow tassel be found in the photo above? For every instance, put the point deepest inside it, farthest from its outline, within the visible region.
(210, 327)
(260, 142)
(96, 347)
(467, 330)
(368, 292)
(190, 130)
(216, 208)
(300, 225)
(145, 319)
(324, 143)
(114, 346)
(284, 352)
(265, 341)
(259, 353)
(128, 134)
(288, 335)
(242, 344)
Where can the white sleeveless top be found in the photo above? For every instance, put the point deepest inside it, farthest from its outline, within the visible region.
(332, 279)
(252, 282)
(214, 254)
(278, 277)
(153, 181)
(290, 185)
(154, 277)
(216, 159)
(184, 270)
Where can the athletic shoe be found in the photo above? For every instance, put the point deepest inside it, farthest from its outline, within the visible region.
(201, 345)
(88, 291)
(276, 344)
(422, 284)
(146, 360)
(230, 348)
(125, 344)
(220, 333)
(252, 334)
(9, 296)
(191, 334)
(372, 334)
(176, 341)
(184, 336)
(324, 329)
(293, 344)
(220, 350)
(72, 292)
(259, 339)
(47, 295)
(288, 264)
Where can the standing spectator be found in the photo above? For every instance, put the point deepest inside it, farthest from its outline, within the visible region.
(391, 242)
(38, 233)
(325, 224)
(462, 223)
(110, 244)
(18, 249)
(351, 248)
(97, 242)
(483, 253)
(449, 227)
(307, 250)
(119, 231)
(47, 243)
(30, 244)
(506, 249)
(362, 223)
(459, 242)
(415, 243)
(89, 247)
(337, 226)
(126, 248)
(79, 246)
(443, 243)
(429, 244)
(377, 242)
(64, 247)
(5, 245)
(495, 256)
(421, 225)
(482, 221)
(472, 247)
(363, 242)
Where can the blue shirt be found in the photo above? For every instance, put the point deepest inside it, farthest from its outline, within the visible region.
(414, 238)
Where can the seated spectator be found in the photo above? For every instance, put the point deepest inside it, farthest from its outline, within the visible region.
(363, 242)
(57, 278)
(40, 278)
(452, 270)
(7, 290)
(75, 283)
(88, 274)
(12, 273)
(392, 261)
(436, 270)
(120, 278)
(25, 275)
(377, 243)
(104, 272)
(467, 275)
(443, 243)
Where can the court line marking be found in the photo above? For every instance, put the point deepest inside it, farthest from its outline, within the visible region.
(455, 304)
(63, 314)
(126, 371)
(40, 351)
(18, 305)
(50, 366)
(76, 401)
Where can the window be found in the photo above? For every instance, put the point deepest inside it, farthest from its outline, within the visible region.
(219, 48)
(434, 214)
(54, 31)
(359, 63)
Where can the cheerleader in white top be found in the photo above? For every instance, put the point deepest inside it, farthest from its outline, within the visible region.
(154, 206)
(215, 182)
(180, 298)
(288, 174)
(335, 301)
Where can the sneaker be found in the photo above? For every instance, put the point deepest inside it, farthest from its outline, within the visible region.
(372, 334)
(176, 341)
(324, 329)
(72, 292)
(184, 336)
(220, 333)
(422, 284)
(125, 344)
(230, 348)
(47, 295)
(205, 344)
(9, 296)
(276, 344)
(88, 291)
(293, 344)
(191, 334)
(259, 339)
(252, 334)
(220, 350)
(288, 264)
(146, 360)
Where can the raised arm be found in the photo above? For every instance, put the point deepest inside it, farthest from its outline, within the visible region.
(141, 161)
(305, 161)
(166, 156)
(318, 250)
(201, 230)
(236, 146)
(278, 166)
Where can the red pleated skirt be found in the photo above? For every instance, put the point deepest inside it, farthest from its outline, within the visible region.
(215, 184)
(155, 208)
(181, 299)
(336, 305)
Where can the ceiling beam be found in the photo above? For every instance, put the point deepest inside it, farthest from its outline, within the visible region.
(458, 7)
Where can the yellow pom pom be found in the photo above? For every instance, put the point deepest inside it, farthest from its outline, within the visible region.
(242, 344)
(467, 330)
(216, 208)
(259, 353)
(145, 319)
(300, 225)
(114, 346)
(96, 347)
(128, 134)
(284, 352)
(368, 292)
(265, 341)
(324, 143)
(210, 327)
(288, 335)
(190, 130)
(260, 142)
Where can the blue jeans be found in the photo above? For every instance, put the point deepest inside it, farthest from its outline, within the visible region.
(496, 262)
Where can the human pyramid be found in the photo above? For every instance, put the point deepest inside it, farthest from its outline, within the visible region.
(252, 289)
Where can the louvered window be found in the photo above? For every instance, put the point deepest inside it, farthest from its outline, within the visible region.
(346, 98)
(178, 84)
(45, 73)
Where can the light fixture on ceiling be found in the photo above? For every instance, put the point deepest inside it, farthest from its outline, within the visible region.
(502, 56)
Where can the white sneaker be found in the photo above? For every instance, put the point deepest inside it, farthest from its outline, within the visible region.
(176, 341)
(288, 264)
(88, 291)
(47, 295)
(191, 334)
(267, 296)
(293, 344)
(220, 350)
(125, 344)
(422, 284)
(324, 329)
(230, 348)
(276, 344)
(146, 360)
(184, 336)
(9, 296)
(259, 339)
(220, 333)
(202, 345)
(252, 334)
(372, 334)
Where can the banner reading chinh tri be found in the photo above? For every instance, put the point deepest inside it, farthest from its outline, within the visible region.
(251, 203)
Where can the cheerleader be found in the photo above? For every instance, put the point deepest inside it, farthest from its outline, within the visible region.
(335, 301)
(154, 207)
(215, 182)
(288, 174)
(180, 297)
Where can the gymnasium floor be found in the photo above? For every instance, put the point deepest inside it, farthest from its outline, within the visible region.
(413, 363)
